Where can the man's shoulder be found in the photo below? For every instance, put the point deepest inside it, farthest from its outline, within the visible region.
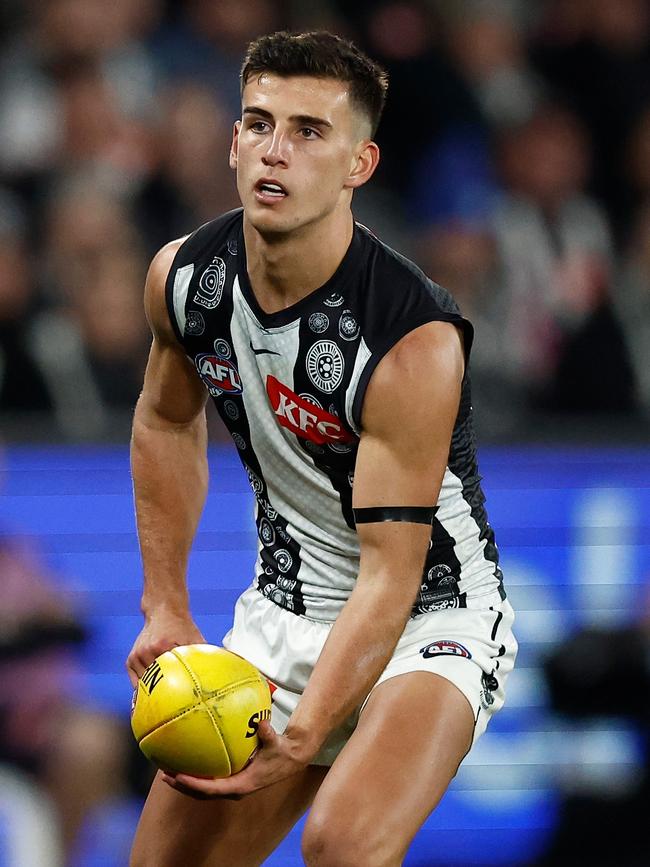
(219, 232)
(394, 274)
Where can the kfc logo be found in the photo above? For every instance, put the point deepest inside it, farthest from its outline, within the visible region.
(304, 418)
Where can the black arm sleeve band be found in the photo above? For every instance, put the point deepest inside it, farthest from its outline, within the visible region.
(407, 514)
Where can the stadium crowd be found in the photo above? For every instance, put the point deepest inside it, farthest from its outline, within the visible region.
(515, 171)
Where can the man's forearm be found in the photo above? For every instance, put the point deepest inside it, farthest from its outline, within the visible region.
(170, 480)
(357, 650)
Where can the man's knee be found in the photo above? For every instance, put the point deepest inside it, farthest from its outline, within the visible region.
(334, 839)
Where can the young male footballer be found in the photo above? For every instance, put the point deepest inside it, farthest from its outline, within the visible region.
(377, 608)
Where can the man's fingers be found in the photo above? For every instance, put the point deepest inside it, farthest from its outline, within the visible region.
(266, 732)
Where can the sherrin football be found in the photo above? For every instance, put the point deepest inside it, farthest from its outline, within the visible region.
(196, 710)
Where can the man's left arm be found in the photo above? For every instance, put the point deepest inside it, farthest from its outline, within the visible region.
(409, 412)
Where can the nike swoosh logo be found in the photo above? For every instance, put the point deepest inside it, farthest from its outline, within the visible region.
(261, 351)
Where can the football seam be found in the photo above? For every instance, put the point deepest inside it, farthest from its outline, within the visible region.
(168, 721)
(202, 701)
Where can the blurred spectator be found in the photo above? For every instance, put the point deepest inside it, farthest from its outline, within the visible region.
(632, 300)
(555, 253)
(76, 57)
(487, 43)
(204, 43)
(596, 54)
(78, 755)
(193, 180)
(23, 386)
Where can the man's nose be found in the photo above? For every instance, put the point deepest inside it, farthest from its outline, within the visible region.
(277, 152)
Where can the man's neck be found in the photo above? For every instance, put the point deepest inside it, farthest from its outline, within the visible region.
(285, 269)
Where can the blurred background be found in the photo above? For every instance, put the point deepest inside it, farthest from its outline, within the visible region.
(516, 171)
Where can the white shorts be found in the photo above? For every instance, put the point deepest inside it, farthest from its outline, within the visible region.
(473, 648)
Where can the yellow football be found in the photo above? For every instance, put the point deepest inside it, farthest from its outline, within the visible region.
(196, 710)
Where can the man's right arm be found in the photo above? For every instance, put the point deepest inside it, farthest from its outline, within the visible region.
(170, 477)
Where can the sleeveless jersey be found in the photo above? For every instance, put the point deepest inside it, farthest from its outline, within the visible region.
(289, 387)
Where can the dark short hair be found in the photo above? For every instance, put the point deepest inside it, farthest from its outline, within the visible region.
(321, 55)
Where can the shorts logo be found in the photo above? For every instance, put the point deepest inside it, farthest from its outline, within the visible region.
(490, 685)
(195, 323)
(211, 284)
(304, 418)
(445, 647)
(325, 365)
(348, 326)
(319, 322)
(334, 300)
(219, 374)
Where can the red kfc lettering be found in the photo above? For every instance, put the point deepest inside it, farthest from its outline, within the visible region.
(303, 418)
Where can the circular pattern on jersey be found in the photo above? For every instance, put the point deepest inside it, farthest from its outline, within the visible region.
(441, 571)
(239, 441)
(348, 326)
(334, 300)
(195, 323)
(267, 533)
(232, 246)
(284, 559)
(325, 365)
(319, 322)
(222, 348)
(231, 409)
(341, 448)
(310, 399)
(256, 482)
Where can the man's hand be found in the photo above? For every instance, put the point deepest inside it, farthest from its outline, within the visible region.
(277, 758)
(161, 632)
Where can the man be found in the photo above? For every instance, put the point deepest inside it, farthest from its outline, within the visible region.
(377, 608)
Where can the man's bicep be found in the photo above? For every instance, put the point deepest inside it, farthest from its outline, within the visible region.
(173, 394)
(408, 418)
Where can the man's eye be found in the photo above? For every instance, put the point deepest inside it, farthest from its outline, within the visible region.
(308, 133)
(259, 126)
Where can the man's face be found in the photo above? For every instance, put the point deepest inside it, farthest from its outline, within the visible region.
(295, 150)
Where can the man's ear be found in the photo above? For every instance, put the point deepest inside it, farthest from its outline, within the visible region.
(363, 164)
(232, 158)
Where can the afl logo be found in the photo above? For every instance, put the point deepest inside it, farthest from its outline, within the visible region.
(325, 365)
(219, 374)
(319, 322)
(445, 647)
(211, 284)
(348, 326)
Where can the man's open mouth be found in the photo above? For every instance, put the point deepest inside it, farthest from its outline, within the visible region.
(270, 188)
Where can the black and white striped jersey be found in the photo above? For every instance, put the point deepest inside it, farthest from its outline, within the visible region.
(289, 387)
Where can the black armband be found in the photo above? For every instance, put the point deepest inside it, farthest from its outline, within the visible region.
(405, 514)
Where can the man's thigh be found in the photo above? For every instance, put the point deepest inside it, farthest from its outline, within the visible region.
(412, 735)
(176, 830)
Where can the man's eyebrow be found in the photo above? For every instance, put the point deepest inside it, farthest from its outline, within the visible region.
(306, 119)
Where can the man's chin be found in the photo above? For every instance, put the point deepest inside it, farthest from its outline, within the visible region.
(270, 224)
